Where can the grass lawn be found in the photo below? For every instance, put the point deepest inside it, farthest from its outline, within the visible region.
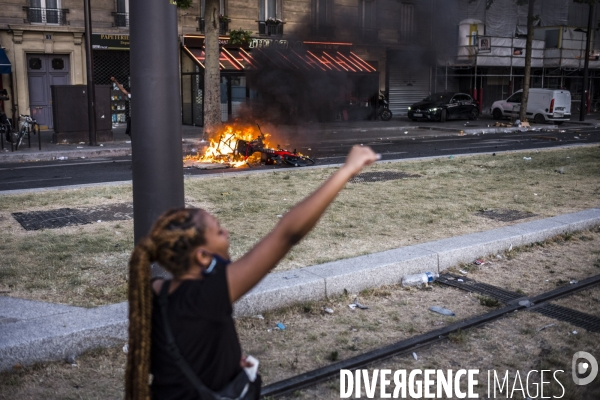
(87, 265)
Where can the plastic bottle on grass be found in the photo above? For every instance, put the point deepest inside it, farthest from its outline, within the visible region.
(442, 310)
(419, 279)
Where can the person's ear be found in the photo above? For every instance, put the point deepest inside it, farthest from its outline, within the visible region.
(202, 257)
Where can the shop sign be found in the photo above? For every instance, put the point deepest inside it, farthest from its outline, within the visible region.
(101, 41)
(274, 44)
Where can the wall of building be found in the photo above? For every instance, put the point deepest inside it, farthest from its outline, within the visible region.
(21, 38)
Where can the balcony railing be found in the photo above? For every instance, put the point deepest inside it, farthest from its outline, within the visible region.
(57, 16)
(369, 35)
(223, 26)
(323, 31)
(121, 19)
(270, 29)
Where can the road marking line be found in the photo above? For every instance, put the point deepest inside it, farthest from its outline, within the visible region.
(382, 154)
(63, 165)
(35, 180)
(474, 147)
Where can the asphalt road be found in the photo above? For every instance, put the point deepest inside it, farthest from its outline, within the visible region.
(330, 148)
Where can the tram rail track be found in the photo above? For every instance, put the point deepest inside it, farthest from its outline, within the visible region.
(318, 375)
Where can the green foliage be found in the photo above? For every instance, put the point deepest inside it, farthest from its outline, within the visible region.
(333, 356)
(241, 37)
(183, 4)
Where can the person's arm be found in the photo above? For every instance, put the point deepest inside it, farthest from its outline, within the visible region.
(121, 88)
(246, 272)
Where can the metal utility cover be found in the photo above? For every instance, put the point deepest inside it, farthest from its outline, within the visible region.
(505, 215)
(63, 217)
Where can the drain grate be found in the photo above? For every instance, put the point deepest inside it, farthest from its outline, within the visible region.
(381, 176)
(574, 317)
(505, 215)
(63, 217)
(477, 287)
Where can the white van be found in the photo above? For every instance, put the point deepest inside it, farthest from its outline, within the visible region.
(543, 105)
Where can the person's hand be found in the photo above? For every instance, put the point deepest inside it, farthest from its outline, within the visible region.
(358, 158)
(245, 363)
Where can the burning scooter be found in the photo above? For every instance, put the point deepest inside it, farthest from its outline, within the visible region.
(271, 156)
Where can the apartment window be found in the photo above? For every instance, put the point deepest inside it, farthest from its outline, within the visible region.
(407, 23)
(45, 12)
(322, 17)
(122, 13)
(269, 9)
(269, 17)
(368, 19)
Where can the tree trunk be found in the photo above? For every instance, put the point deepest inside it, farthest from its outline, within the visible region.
(212, 73)
(530, 18)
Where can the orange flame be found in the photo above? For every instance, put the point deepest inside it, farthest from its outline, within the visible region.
(223, 145)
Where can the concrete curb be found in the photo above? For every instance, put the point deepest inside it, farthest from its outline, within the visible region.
(281, 289)
(55, 332)
(112, 150)
(36, 331)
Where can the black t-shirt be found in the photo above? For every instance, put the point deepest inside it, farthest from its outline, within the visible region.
(200, 318)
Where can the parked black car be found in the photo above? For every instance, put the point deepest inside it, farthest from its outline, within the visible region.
(443, 106)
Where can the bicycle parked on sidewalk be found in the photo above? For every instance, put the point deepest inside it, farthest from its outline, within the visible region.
(27, 126)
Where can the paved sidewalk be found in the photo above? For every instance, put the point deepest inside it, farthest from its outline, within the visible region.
(36, 331)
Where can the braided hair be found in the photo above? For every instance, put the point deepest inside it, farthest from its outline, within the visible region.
(171, 242)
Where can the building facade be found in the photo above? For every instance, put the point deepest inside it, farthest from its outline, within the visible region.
(43, 39)
(489, 59)
(417, 47)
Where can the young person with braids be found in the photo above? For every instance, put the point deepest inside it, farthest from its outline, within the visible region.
(194, 248)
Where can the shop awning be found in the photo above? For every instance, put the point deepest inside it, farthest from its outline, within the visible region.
(305, 58)
(4, 63)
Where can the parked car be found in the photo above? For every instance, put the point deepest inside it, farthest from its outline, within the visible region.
(443, 106)
(543, 105)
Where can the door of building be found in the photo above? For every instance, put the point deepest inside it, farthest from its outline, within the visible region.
(44, 70)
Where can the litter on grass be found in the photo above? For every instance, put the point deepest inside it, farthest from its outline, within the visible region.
(545, 327)
(442, 310)
(362, 307)
(280, 326)
(327, 310)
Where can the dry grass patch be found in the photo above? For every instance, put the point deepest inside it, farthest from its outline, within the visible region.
(313, 338)
(444, 201)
